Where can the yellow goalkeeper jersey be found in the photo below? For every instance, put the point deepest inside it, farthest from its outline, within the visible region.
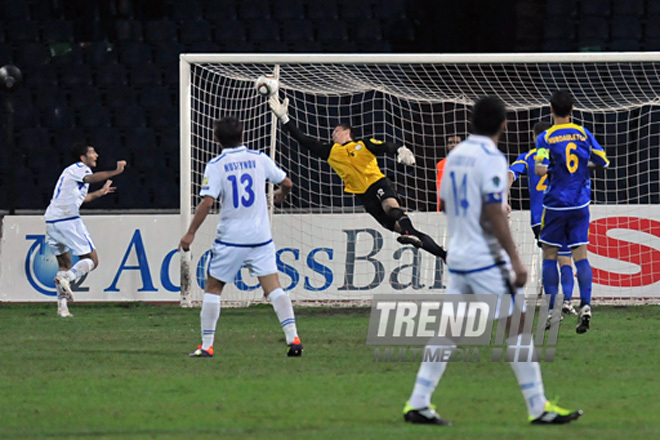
(356, 165)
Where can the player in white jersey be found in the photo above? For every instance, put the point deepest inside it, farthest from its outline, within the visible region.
(482, 258)
(65, 231)
(238, 178)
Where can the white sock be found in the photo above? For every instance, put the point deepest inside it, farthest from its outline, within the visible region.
(284, 311)
(62, 304)
(530, 382)
(428, 376)
(79, 269)
(209, 318)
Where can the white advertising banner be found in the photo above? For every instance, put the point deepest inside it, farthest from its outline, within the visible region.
(320, 257)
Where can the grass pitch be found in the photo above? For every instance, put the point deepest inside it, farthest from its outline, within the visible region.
(123, 371)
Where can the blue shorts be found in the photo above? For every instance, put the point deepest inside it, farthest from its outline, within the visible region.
(564, 250)
(570, 228)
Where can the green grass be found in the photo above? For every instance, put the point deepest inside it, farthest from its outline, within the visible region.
(122, 371)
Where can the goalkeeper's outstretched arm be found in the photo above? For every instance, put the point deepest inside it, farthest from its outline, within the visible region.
(316, 147)
(404, 155)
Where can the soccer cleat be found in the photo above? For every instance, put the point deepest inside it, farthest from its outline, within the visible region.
(406, 238)
(64, 287)
(295, 348)
(584, 319)
(201, 353)
(549, 322)
(64, 313)
(555, 415)
(426, 416)
(568, 309)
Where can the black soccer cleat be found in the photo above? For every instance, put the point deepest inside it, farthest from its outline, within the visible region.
(295, 348)
(423, 416)
(555, 415)
(407, 238)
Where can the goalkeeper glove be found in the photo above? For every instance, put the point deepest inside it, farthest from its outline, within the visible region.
(541, 154)
(405, 156)
(279, 109)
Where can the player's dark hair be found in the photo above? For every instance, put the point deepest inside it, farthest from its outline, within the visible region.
(540, 127)
(562, 103)
(487, 116)
(228, 132)
(79, 149)
(347, 126)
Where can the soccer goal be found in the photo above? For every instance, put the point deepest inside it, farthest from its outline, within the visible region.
(331, 251)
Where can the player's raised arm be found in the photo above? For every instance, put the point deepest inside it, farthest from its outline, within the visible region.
(404, 154)
(100, 176)
(280, 109)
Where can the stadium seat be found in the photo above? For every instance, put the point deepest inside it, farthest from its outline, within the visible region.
(141, 139)
(237, 46)
(595, 8)
(59, 118)
(83, 96)
(119, 96)
(130, 116)
(562, 8)
(129, 30)
(72, 76)
(145, 74)
(194, 31)
(33, 55)
(6, 54)
(164, 118)
(57, 31)
(557, 28)
(355, 11)
(67, 54)
(321, 12)
(161, 31)
(367, 31)
(100, 54)
(48, 96)
(558, 45)
(289, 10)
(331, 31)
(26, 115)
(626, 27)
(154, 97)
(254, 10)
(134, 53)
(298, 31)
(187, 10)
(95, 116)
(12, 10)
(111, 75)
(628, 7)
(593, 31)
(230, 30)
(263, 31)
(652, 9)
(34, 139)
(107, 142)
(167, 55)
(391, 10)
(22, 31)
(217, 11)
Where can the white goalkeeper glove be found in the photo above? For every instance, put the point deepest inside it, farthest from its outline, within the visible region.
(279, 109)
(405, 156)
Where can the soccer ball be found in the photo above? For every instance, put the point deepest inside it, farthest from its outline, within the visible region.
(266, 85)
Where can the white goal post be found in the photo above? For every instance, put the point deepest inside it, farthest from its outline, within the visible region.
(330, 251)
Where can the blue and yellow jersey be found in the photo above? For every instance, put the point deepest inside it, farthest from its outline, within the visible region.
(537, 185)
(567, 149)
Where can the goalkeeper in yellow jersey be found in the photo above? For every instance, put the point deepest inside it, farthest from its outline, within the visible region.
(355, 162)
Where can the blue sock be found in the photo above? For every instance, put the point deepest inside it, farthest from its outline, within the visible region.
(585, 277)
(567, 282)
(550, 280)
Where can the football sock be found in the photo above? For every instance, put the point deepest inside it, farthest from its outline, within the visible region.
(567, 282)
(428, 244)
(550, 280)
(209, 318)
(530, 381)
(428, 376)
(399, 216)
(81, 268)
(284, 311)
(585, 277)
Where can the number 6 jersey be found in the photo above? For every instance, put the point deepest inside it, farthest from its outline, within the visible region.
(237, 178)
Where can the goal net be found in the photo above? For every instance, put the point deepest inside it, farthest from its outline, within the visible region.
(330, 250)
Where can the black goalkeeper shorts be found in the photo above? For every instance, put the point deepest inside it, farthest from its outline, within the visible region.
(372, 200)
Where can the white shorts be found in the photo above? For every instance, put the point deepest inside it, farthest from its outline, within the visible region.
(495, 280)
(68, 235)
(226, 261)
